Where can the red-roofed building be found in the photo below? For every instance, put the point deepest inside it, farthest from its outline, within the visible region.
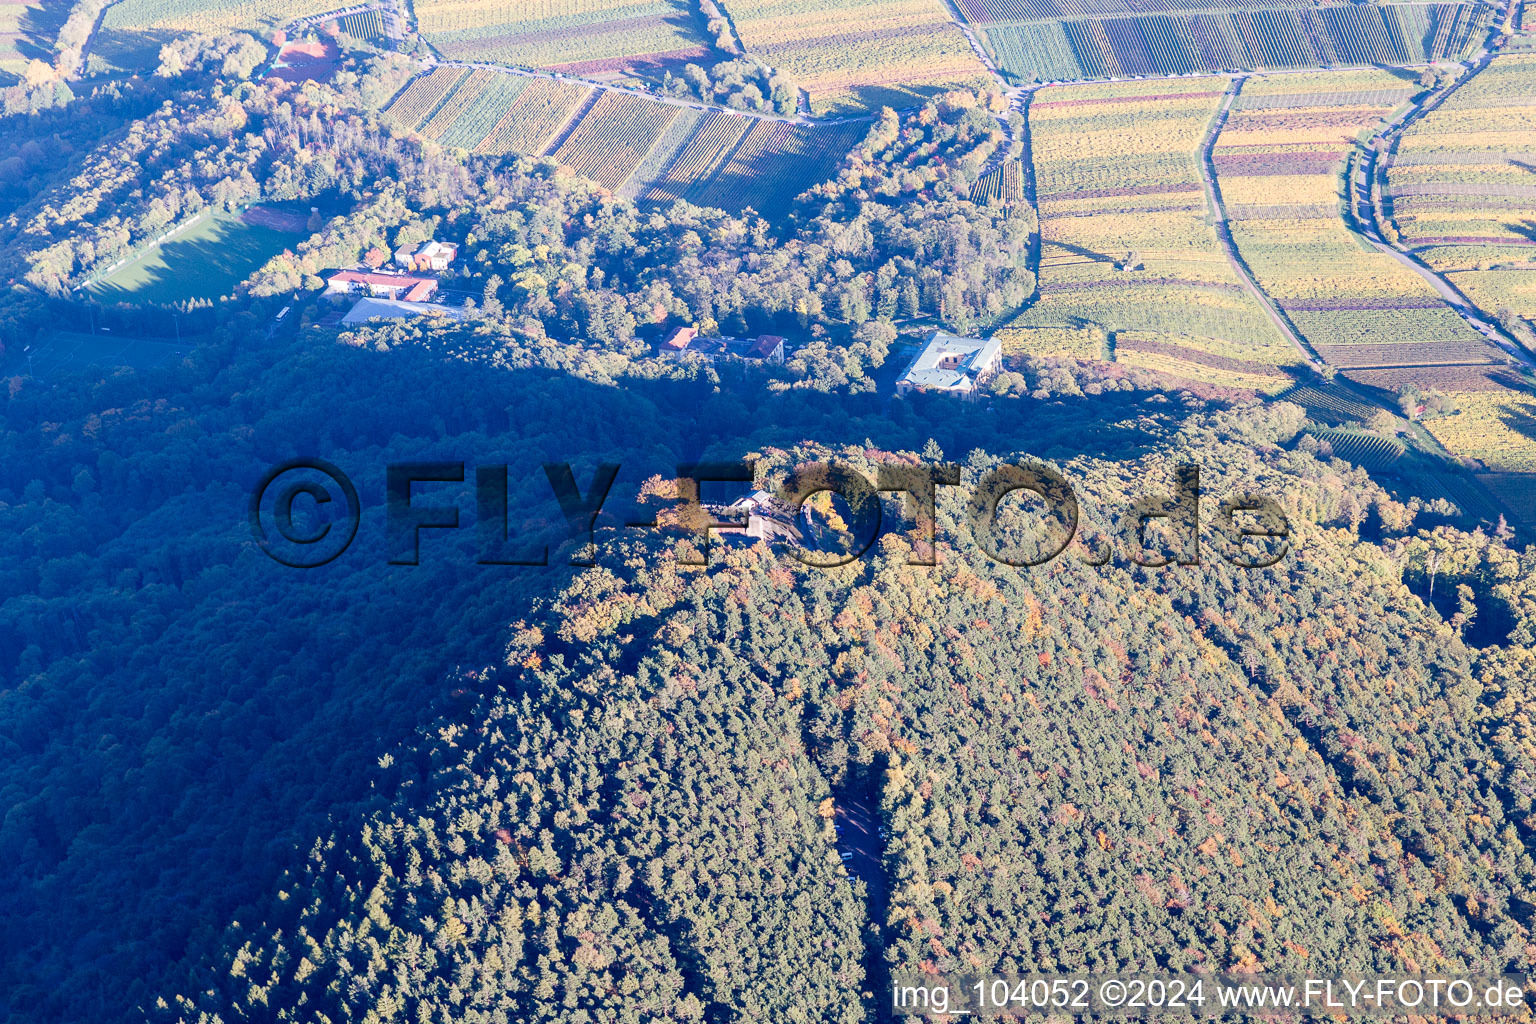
(379, 284)
(421, 291)
(679, 339)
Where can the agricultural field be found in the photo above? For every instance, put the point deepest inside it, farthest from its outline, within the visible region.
(1196, 359)
(859, 54)
(28, 29)
(365, 26)
(1495, 427)
(1278, 163)
(1004, 185)
(584, 37)
(1496, 419)
(533, 117)
(419, 101)
(1461, 187)
(1126, 241)
(487, 111)
(1517, 493)
(1375, 452)
(772, 164)
(207, 260)
(479, 114)
(614, 137)
(1459, 380)
(1069, 342)
(735, 162)
(1329, 403)
(653, 152)
(1064, 48)
(1464, 175)
(694, 139)
(132, 31)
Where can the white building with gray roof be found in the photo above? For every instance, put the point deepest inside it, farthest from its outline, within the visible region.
(951, 364)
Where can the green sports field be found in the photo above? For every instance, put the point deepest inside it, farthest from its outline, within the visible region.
(206, 261)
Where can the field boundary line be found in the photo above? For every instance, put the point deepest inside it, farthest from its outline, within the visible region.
(693, 104)
(1223, 227)
(1368, 203)
(569, 126)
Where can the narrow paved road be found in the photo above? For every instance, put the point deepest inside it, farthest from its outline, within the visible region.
(1369, 206)
(1017, 95)
(981, 51)
(1224, 228)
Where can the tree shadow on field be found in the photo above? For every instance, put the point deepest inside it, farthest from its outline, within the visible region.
(39, 27)
(1078, 250)
(1521, 421)
(1406, 74)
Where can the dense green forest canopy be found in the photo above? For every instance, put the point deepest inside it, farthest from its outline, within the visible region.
(184, 720)
(453, 792)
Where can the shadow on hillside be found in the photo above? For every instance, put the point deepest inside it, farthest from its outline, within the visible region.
(252, 702)
(38, 28)
(132, 50)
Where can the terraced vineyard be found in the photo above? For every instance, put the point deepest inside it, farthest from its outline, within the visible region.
(1329, 403)
(580, 36)
(614, 137)
(487, 111)
(1003, 185)
(697, 158)
(1517, 493)
(1461, 186)
(420, 100)
(480, 115)
(772, 164)
(536, 112)
(859, 54)
(654, 152)
(1067, 48)
(1278, 164)
(1373, 451)
(1125, 240)
(465, 92)
(367, 26)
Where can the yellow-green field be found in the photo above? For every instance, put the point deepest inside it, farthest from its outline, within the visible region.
(1462, 186)
(859, 54)
(1279, 163)
(1127, 244)
(580, 36)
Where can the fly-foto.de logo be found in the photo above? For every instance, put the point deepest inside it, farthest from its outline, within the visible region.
(306, 512)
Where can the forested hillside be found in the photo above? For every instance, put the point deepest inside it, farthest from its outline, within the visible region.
(466, 792)
(624, 810)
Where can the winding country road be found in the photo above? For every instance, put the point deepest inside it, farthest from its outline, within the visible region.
(1369, 208)
(1224, 227)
